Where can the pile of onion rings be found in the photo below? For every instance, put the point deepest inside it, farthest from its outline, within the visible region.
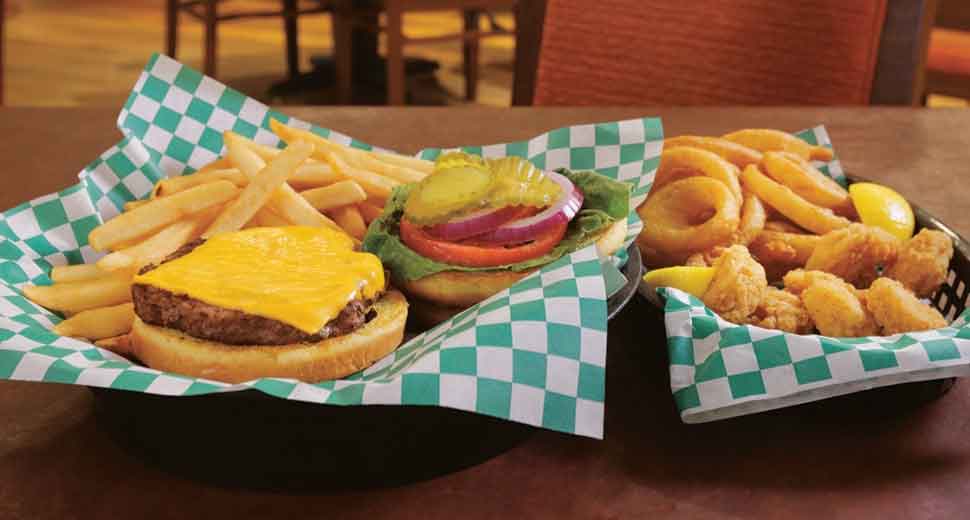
(754, 187)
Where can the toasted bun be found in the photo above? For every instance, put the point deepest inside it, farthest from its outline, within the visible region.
(173, 351)
(437, 297)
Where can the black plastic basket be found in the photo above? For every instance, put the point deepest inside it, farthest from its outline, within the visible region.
(950, 299)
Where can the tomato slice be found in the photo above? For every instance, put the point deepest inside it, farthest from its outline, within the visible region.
(477, 255)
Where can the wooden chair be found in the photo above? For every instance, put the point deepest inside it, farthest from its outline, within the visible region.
(208, 12)
(948, 62)
(756, 52)
(394, 11)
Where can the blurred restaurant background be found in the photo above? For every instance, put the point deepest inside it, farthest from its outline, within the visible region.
(497, 52)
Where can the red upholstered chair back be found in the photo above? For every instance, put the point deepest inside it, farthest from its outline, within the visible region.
(708, 52)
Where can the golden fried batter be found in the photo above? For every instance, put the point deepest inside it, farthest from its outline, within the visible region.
(797, 280)
(738, 286)
(923, 262)
(897, 309)
(854, 253)
(836, 309)
(782, 310)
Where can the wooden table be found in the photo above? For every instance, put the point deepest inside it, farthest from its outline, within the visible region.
(884, 454)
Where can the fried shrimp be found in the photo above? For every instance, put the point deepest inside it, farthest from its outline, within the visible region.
(738, 286)
(855, 253)
(897, 309)
(782, 310)
(922, 262)
(836, 309)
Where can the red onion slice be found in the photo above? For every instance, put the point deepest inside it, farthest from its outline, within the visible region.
(526, 229)
(476, 223)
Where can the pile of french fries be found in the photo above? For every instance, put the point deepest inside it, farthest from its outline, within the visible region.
(312, 182)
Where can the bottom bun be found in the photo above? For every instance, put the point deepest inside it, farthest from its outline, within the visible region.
(173, 351)
(440, 296)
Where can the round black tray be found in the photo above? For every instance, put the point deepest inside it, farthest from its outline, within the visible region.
(250, 439)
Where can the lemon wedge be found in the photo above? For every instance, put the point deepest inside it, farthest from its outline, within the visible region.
(693, 280)
(883, 207)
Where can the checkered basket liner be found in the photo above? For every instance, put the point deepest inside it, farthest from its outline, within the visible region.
(534, 353)
(719, 369)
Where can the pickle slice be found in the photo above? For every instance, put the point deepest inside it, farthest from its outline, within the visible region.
(519, 183)
(445, 193)
(450, 160)
(462, 183)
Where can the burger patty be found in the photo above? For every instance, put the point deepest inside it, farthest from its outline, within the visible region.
(202, 320)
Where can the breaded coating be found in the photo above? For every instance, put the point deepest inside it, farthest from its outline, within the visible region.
(797, 280)
(775, 256)
(923, 262)
(696, 260)
(837, 311)
(782, 310)
(738, 286)
(897, 309)
(854, 253)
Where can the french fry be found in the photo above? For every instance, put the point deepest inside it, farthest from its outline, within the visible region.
(286, 202)
(100, 323)
(313, 174)
(350, 220)
(75, 273)
(221, 163)
(260, 189)
(341, 193)
(266, 217)
(369, 211)
(337, 156)
(369, 161)
(422, 165)
(132, 204)
(172, 185)
(375, 185)
(113, 289)
(159, 213)
(155, 248)
(408, 169)
(120, 345)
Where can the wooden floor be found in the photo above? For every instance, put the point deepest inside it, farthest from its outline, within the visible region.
(89, 52)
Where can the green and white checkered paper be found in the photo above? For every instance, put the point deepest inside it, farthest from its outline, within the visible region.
(719, 369)
(534, 353)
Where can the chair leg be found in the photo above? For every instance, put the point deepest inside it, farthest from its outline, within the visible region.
(470, 55)
(171, 27)
(343, 51)
(395, 52)
(211, 21)
(3, 7)
(292, 43)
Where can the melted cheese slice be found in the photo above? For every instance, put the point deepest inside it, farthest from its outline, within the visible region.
(302, 276)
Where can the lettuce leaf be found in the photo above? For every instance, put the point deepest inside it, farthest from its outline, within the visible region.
(605, 201)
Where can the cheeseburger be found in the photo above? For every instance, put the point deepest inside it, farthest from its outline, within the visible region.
(294, 302)
(476, 226)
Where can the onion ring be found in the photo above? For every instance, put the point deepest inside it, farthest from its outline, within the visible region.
(779, 246)
(686, 161)
(734, 153)
(766, 140)
(670, 217)
(805, 180)
(753, 218)
(783, 226)
(807, 215)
